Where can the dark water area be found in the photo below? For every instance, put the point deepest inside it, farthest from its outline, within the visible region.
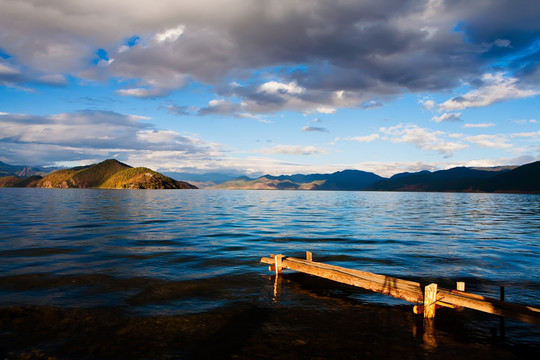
(108, 274)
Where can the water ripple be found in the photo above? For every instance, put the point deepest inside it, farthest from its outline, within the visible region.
(181, 238)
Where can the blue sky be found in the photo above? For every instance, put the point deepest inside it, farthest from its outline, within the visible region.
(279, 87)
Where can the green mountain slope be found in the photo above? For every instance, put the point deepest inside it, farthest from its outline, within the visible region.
(15, 181)
(110, 174)
(96, 175)
(143, 178)
(58, 179)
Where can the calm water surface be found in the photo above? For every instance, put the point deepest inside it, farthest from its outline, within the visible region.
(176, 274)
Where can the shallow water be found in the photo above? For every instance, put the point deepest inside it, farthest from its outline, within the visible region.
(176, 274)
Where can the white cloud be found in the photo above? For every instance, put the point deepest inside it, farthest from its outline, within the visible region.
(87, 134)
(326, 109)
(7, 70)
(139, 92)
(424, 139)
(524, 121)
(526, 134)
(122, 49)
(366, 138)
(498, 141)
(293, 150)
(274, 96)
(223, 107)
(159, 136)
(447, 117)
(427, 104)
(170, 35)
(496, 87)
(480, 125)
(216, 102)
(53, 79)
(274, 87)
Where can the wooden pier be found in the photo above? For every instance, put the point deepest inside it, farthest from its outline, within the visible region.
(427, 298)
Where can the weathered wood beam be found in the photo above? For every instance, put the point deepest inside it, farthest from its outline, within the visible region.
(398, 288)
(492, 306)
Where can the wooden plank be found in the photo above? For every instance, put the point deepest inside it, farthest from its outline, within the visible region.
(492, 306)
(401, 289)
(381, 279)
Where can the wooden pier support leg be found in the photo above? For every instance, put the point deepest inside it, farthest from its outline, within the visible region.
(460, 286)
(278, 264)
(430, 342)
(277, 288)
(430, 298)
(309, 256)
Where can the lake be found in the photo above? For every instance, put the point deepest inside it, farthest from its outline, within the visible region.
(88, 273)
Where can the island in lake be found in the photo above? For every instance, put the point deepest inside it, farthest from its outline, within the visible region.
(109, 174)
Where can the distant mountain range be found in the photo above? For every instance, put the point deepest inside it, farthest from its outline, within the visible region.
(23, 171)
(509, 179)
(114, 174)
(205, 180)
(109, 174)
(341, 180)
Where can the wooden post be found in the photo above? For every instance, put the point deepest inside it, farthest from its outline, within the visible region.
(309, 256)
(278, 264)
(430, 298)
(460, 286)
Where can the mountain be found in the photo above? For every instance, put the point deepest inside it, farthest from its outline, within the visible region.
(456, 179)
(205, 180)
(341, 180)
(525, 178)
(22, 170)
(110, 174)
(15, 181)
(522, 179)
(404, 174)
(114, 174)
(508, 179)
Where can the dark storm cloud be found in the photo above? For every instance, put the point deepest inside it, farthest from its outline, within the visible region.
(341, 53)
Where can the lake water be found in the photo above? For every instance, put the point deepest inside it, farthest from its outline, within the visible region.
(177, 274)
